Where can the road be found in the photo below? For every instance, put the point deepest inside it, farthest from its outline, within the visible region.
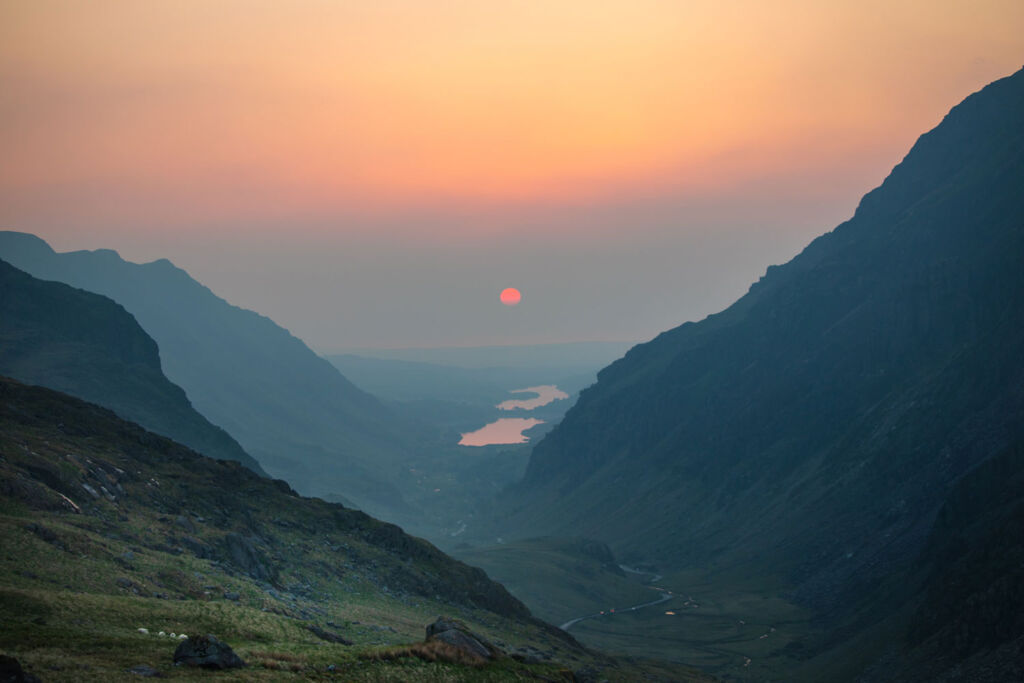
(666, 595)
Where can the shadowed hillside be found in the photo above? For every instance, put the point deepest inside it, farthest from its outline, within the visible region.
(88, 346)
(810, 432)
(108, 529)
(292, 410)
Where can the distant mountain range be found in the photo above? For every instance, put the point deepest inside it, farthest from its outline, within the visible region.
(87, 345)
(813, 429)
(288, 407)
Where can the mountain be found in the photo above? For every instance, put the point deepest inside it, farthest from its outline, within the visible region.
(813, 429)
(289, 408)
(970, 622)
(114, 537)
(87, 345)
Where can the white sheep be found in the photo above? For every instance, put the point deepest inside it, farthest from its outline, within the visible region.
(161, 633)
(182, 636)
(144, 631)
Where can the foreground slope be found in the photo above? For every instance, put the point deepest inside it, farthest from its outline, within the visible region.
(813, 428)
(292, 410)
(88, 346)
(107, 528)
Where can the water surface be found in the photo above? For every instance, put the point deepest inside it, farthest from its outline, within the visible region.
(547, 393)
(505, 430)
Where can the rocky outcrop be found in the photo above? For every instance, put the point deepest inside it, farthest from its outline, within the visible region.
(207, 652)
(244, 555)
(455, 633)
(11, 671)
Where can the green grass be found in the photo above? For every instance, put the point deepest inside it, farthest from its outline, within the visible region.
(555, 579)
(78, 581)
(726, 623)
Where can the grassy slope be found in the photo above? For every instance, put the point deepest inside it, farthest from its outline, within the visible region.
(75, 585)
(718, 616)
(555, 578)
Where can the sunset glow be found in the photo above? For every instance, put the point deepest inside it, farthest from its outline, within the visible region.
(639, 162)
(238, 110)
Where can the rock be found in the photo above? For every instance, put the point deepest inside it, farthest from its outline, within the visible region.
(11, 671)
(207, 652)
(197, 547)
(244, 555)
(232, 596)
(458, 635)
(123, 582)
(329, 636)
(145, 671)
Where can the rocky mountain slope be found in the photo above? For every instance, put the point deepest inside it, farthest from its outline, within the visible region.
(813, 428)
(289, 408)
(107, 529)
(86, 345)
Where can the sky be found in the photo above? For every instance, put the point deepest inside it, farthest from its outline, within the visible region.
(374, 173)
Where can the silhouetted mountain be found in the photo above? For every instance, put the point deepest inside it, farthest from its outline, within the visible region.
(87, 345)
(814, 427)
(292, 410)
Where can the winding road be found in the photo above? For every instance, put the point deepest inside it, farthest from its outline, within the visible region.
(666, 595)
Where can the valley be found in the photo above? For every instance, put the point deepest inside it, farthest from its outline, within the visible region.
(822, 481)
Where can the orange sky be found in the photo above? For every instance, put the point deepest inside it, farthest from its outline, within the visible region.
(374, 172)
(228, 111)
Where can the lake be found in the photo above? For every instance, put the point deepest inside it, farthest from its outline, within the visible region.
(546, 394)
(501, 431)
(507, 430)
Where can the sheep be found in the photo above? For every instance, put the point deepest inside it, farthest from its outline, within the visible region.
(182, 636)
(161, 634)
(144, 631)
(173, 634)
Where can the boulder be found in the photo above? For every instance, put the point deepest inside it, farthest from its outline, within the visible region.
(207, 652)
(11, 671)
(329, 636)
(458, 635)
(145, 671)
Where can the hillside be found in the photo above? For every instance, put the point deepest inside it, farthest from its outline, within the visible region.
(88, 346)
(107, 528)
(289, 408)
(812, 429)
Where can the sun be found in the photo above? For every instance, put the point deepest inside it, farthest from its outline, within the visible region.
(510, 296)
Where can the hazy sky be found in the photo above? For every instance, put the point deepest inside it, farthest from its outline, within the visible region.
(375, 172)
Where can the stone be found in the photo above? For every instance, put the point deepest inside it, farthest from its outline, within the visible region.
(11, 671)
(245, 556)
(232, 596)
(458, 635)
(329, 636)
(207, 652)
(145, 670)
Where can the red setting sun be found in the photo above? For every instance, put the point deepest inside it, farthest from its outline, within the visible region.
(510, 296)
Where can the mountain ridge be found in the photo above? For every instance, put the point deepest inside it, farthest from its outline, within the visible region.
(88, 345)
(287, 406)
(836, 374)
